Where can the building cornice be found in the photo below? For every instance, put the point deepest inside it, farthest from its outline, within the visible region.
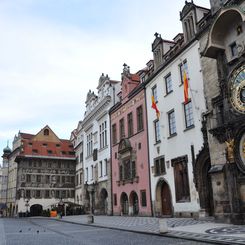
(98, 109)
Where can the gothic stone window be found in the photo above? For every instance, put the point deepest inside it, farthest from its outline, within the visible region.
(181, 180)
(114, 134)
(130, 124)
(159, 166)
(127, 166)
(121, 128)
(140, 124)
(127, 170)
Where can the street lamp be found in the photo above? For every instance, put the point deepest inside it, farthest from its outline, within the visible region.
(27, 204)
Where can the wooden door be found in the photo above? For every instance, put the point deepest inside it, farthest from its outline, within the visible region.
(166, 200)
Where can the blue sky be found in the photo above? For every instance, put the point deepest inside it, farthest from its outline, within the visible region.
(52, 52)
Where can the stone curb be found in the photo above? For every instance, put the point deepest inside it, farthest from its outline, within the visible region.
(171, 234)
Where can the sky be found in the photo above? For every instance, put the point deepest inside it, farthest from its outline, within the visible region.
(53, 51)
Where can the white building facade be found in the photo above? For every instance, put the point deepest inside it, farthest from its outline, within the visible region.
(175, 137)
(92, 145)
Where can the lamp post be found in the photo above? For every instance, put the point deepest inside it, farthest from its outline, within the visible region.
(27, 204)
(90, 189)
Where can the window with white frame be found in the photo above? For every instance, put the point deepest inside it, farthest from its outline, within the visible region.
(172, 123)
(103, 135)
(168, 84)
(89, 144)
(157, 130)
(106, 168)
(189, 120)
(86, 174)
(101, 169)
(92, 172)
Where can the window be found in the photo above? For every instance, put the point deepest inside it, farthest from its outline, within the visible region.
(81, 157)
(76, 182)
(127, 170)
(28, 194)
(233, 48)
(89, 144)
(168, 84)
(63, 194)
(143, 198)
(172, 123)
(63, 179)
(121, 128)
(47, 194)
(35, 151)
(101, 169)
(92, 172)
(46, 132)
(103, 135)
(38, 193)
(81, 178)
(114, 134)
(28, 178)
(47, 179)
(183, 67)
(106, 171)
(189, 120)
(181, 180)
(57, 194)
(38, 178)
(115, 199)
(57, 179)
(130, 124)
(140, 118)
(159, 166)
(157, 130)
(154, 93)
(86, 174)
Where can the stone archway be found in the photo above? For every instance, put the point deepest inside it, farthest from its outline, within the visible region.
(203, 182)
(103, 201)
(133, 203)
(163, 199)
(124, 204)
(36, 210)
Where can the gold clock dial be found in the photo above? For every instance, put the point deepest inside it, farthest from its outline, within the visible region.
(237, 89)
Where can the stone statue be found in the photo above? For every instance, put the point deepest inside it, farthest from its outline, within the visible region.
(230, 150)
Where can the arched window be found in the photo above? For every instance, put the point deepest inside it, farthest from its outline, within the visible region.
(46, 132)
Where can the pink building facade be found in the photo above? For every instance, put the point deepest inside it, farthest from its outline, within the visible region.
(129, 153)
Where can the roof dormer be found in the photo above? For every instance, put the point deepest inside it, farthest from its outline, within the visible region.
(190, 15)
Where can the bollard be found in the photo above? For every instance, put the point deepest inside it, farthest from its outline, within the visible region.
(163, 227)
(90, 219)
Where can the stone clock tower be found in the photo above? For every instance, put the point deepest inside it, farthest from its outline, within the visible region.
(223, 67)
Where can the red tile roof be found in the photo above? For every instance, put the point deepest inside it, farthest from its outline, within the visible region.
(64, 148)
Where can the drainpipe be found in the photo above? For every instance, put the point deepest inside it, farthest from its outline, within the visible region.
(148, 152)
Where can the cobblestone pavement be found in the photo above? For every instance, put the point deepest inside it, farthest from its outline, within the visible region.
(37, 231)
(188, 228)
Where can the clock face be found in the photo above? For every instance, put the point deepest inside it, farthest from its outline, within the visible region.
(237, 89)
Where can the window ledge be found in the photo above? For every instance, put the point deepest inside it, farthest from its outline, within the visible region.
(158, 142)
(157, 175)
(183, 200)
(168, 93)
(103, 148)
(187, 129)
(172, 135)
